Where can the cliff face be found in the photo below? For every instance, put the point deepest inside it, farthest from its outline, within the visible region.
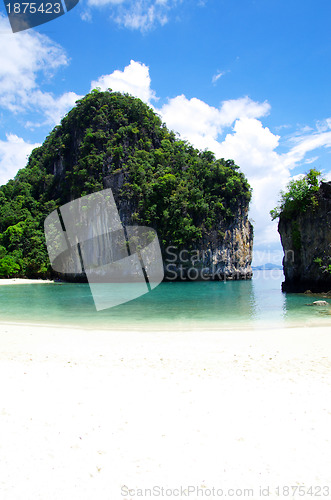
(306, 241)
(215, 259)
(225, 253)
(197, 204)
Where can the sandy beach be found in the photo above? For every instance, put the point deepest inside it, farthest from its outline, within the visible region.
(92, 415)
(23, 281)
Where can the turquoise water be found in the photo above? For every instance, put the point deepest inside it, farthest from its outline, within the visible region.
(252, 304)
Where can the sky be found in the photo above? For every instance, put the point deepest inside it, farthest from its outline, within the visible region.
(246, 79)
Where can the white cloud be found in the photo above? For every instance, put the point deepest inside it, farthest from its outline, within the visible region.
(254, 139)
(247, 141)
(202, 124)
(217, 76)
(284, 126)
(243, 107)
(53, 108)
(308, 161)
(101, 3)
(304, 145)
(250, 144)
(14, 153)
(194, 118)
(253, 147)
(323, 125)
(134, 79)
(24, 59)
(140, 15)
(86, 16)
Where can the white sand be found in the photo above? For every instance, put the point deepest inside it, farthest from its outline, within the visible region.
(83, 414)
(23, 281)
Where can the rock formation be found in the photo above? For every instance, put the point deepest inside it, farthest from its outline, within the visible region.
(306, 240)
(197, 204)
(225, 253)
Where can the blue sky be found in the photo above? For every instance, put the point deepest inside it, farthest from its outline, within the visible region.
(249, 80)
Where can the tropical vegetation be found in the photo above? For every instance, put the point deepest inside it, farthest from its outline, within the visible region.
(182, 192)
(299, 196)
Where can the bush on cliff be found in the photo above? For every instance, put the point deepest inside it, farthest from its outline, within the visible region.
(299, 196)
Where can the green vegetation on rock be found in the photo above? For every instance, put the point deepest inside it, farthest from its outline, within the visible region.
(182, 192)
(304, 227)
(299, 196)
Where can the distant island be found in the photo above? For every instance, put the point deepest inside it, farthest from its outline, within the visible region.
(304, 214)
(197, 204)
(267, 267)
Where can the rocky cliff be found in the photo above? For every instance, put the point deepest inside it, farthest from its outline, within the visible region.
(306, 240)
(198, 205)
(222, 253)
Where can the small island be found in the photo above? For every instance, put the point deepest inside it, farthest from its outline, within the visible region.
(304, 214)
(197, 204)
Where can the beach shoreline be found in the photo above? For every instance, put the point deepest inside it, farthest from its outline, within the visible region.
(182, 327)
(87, 414)
(24, 281)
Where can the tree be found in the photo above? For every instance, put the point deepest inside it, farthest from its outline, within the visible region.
(299, 196)
(8, 266)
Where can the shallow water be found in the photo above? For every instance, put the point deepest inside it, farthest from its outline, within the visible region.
(258, 303)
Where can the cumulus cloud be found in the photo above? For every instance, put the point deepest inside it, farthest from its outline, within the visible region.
(243, 107)
(25, 58)
(233, 130)
(14, 153)
(134, 79)
(193, 119)
(253, 147)
(248, 143)
(201, 123)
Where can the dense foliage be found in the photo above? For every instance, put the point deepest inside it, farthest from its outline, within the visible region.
(299, 196)
(182, 192)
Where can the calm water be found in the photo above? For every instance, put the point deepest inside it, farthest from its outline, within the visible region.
(251, 304)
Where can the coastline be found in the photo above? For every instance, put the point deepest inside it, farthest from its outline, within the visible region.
(85, 414)
(166, 327)
(23, 281)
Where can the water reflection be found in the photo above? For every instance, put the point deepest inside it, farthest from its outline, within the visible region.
(269, 299)
(255, 303)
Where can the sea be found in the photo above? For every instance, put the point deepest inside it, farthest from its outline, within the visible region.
(252, 304)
